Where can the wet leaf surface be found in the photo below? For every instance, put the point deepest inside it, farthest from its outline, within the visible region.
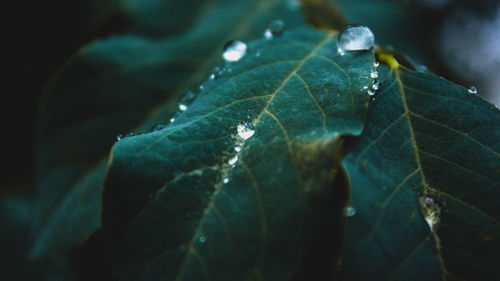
(425, 182)
(241, 183)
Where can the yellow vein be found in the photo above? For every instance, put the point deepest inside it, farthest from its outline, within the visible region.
(417, 155)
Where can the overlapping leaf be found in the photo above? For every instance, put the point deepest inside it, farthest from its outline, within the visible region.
(428, 145)
(116, 86)
(183, 204)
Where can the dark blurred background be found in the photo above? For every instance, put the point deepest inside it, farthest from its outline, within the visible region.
(462, 39)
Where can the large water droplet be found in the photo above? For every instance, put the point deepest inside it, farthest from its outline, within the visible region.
(274, 28)
(234, 50)
(245, 131)
(349, 211)
(431, 211)
(472, 90)
(233, 160)
(355, 38)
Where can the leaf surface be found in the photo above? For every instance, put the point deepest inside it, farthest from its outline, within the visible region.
(425, 138)
(183, 204)
(115, 86)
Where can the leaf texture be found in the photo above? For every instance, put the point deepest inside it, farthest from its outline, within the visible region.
(425, 138)
(182, 204)
(115, 86)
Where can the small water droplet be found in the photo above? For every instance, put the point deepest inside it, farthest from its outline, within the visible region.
(431, 211)
(371, 92)
(158, 127)
(376, 86)
(376, 64)
(365, 87)
(188, 97)
(202, 239)
(234, 50)
(182, 107)
(225, 180)
(172, 119)
(201, 87)
(245, 131)
(374, 74)
(349, 211)
(472, 90)
(257, 54)
(340, 51)
(119, 137)
(274, 29)
(211, 77)
(237, 148)
(356, 37)
(233, 160)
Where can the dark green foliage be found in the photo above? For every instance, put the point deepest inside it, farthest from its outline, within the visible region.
(174, 200)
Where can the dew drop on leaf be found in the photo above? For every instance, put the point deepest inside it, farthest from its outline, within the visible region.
(225, 180)
(182, 107)
(202, 239)
(355, 38)
(431, 211)
(376, 64)
(245, 131)
(472, 90)
(188, 98)
(237, 148)
(274, 29)
(371, 92)
(349, 211)
(234, 50)
(376, 86)
(158, 127)
(374, 75)
(233, 160)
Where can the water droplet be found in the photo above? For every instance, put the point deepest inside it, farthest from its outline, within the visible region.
(233, 160)
(202, 239)
(172, 119)
(257, 54)
(371, 92)
(376, 86)
(158, 127)
(211, 77)
(376, 64)
(431, 211)
(472, 90)
(188, 97)
(365, 87)
(225, 180)
(274, 29)
(119, 137)
(349, 211)
(201, 87)
(245, 131)
(237, 148)
(340, 51)
(374, 74)
(182, 107)
(234, 50)
(356, 37)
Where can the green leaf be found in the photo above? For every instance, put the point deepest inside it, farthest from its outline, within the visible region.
(426, 139)
(115, 86)
(15, 214)
(183, 204)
